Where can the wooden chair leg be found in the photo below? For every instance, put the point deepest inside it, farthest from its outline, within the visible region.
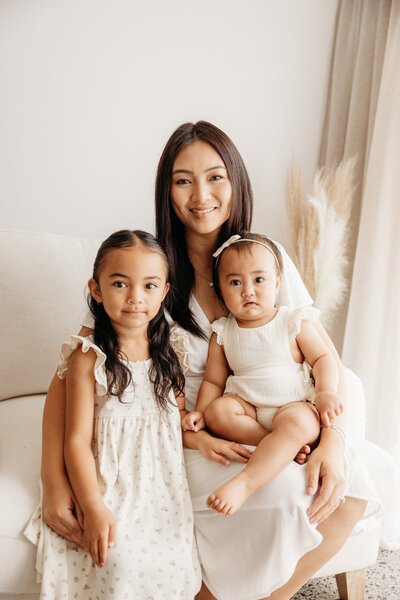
(351, 585)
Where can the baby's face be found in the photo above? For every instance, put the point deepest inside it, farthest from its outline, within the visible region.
(249, 283)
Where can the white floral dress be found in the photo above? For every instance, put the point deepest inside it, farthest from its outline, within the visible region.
(141, 475)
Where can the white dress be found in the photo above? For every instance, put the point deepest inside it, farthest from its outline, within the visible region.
(141, 475)
(250, 554)
(264, 372)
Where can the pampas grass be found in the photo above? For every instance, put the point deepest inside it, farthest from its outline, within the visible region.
(318, 225)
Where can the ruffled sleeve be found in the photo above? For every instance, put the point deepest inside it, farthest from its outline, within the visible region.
(296, 316)
(218, 328)
(87, 343)
(179, 339)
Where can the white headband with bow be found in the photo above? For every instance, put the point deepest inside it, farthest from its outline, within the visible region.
(235, 239)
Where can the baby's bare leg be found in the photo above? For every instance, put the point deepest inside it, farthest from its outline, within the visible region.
(232, 418)
(293, 426)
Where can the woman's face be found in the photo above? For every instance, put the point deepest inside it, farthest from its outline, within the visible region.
(201, 191)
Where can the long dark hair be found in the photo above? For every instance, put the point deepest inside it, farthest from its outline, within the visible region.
(169, 229)
(165, 372)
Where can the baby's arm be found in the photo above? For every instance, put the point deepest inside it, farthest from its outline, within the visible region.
(325, 372)
(98, 520)
(212, 387)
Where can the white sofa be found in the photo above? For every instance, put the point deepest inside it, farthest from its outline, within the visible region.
(42, 291)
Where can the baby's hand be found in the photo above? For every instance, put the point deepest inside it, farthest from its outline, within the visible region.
(193, 421)
(329, 406)
(99, 532)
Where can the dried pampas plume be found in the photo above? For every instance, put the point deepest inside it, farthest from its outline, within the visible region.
(318, 232)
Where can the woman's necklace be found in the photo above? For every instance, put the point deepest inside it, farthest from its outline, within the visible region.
(210, 281)
(197, 272)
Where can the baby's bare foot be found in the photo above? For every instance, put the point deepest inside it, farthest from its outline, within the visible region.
(228, 498)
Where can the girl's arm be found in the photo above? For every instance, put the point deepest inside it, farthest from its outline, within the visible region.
(180, 401)
(212, 386)
(99, 522)
(61, 510)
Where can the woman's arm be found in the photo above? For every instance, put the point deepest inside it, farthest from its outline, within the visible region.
(216, 449)
(326, 462)
(99, 522)
(61, 510)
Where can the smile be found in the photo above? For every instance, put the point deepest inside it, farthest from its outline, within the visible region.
(202, 211)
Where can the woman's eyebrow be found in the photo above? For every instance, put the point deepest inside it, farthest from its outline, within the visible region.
(216, 167)
(191, 172)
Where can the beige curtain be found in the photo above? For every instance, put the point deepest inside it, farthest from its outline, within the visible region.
(363, 119)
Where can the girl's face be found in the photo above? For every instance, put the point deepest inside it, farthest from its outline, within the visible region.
(132, 284)
(201, 191)
(249, 283)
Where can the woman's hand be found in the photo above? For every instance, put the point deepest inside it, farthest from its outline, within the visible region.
(326, 466)
(220, 451)
(99, 526)
(62, 512)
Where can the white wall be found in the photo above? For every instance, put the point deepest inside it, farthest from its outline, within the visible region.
(91, 90)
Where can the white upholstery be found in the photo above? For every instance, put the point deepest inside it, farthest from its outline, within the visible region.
(20, 442)
(42, 283)
(42, 286)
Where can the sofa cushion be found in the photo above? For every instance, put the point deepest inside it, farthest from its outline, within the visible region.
(20, 450)
(42, 289)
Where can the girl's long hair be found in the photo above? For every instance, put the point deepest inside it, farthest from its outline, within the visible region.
(169, 229)
(165, 372)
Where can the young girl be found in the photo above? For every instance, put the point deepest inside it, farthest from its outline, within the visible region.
(270, 352)
(127, 470)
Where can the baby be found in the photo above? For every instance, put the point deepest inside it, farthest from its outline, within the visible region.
(257, 387)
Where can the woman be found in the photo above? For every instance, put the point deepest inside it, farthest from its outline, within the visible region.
(203, 195)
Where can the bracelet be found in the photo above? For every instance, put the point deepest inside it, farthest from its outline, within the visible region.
(328, 392)
(338, 429)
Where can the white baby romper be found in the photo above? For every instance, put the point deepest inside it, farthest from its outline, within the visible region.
(138, 453)
(264, 372)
